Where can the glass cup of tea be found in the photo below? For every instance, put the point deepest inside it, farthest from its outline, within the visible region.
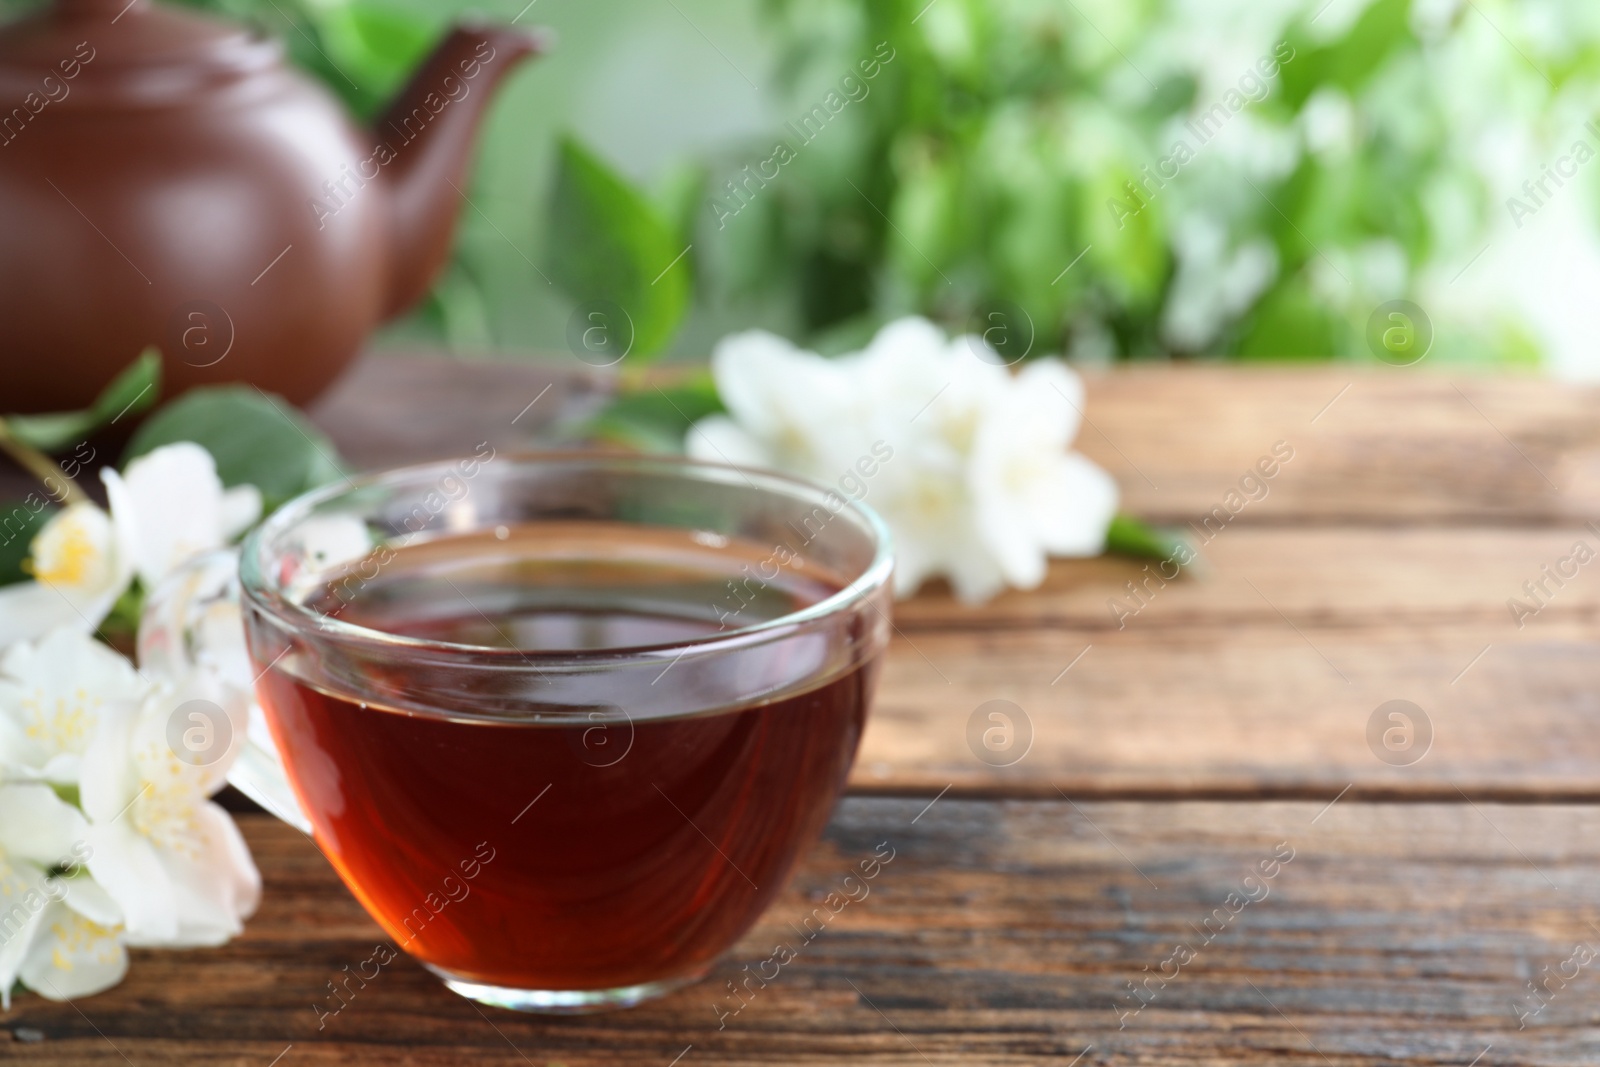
(564, 723)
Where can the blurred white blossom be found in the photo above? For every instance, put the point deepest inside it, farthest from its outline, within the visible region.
(981, 487)
(108, 835)
(149, 859)
(168, 506)
(53, 694)
(59, 932)
(1213, 284)
(173, 860)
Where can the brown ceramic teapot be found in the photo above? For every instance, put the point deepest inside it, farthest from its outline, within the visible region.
(166, 179)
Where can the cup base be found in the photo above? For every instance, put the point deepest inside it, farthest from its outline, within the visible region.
(563, 1001)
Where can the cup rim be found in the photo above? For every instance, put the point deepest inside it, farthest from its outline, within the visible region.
(264, 595)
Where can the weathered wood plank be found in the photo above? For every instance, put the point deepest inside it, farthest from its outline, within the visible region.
(1259, 675)
(1000, 933)
(1240, 708)
(1397, 444)
(1315, 575)
(395, 408)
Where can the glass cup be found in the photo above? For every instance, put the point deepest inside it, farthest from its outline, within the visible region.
(564, 723)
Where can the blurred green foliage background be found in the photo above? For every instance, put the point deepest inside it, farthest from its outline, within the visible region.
(983, 168)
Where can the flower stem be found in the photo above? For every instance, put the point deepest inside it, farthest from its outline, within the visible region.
(41, 467)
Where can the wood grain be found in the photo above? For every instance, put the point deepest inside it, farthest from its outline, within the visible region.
(1000, 933)
(1379, 445)
(1258, 676)
(399, 408)
(1239, 710)
(1322, 575)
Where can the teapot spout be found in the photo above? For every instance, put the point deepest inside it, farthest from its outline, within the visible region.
(424, 141)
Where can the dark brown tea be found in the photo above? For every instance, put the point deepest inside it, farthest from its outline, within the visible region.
(511, 845)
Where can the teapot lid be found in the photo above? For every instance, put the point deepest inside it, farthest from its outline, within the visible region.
(109, 52)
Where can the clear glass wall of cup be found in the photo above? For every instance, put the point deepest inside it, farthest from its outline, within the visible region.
(565, 723)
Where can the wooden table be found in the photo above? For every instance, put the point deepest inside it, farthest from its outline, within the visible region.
(1200, 775)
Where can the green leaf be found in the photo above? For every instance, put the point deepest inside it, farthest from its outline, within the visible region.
(375, 45)
(1349, 60)
(679, 196)
(847, 335)
(129, 393)
(607, 245)
(1291, 323)
(1127, 237)
(257, 439)
(20, 523)
(463, 310)
(361, 49)
(72, 793)
(1127, 536)
(656, 419)
(120, 627)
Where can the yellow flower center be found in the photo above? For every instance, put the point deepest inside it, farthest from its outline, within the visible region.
(78, 936)
(64, 724)
(960, 427)
(165, 809)
(790, 442)
(75, 549)
(931, 499)
(72, 555)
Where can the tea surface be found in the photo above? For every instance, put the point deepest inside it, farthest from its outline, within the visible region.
(576, 586)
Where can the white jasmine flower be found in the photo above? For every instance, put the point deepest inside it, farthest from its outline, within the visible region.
(980, 487)
(173, 861)
(330, 541)
(149, 860)
(193, 624)
(771, 427)
(78, 949)
(81, 563)
(57, 933)
(179, 507)
(169, 506)
(1032, 497)
(52, 697)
